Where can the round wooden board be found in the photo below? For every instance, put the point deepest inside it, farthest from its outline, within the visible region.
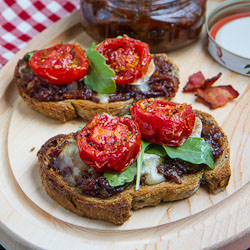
(34, 226)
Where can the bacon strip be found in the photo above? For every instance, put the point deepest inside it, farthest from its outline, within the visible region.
(198, 81)
(210, 81)
(195, 81)
(215, 97)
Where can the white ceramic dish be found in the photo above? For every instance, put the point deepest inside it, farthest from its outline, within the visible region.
(228, 37)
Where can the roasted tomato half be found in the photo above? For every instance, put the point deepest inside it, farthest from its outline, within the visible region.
(163, 122)
(108, 143)
(129, 58)
(60, 64)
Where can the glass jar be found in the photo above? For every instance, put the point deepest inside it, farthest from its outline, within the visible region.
(163, 24)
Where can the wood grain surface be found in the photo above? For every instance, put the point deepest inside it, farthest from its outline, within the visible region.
(202, 221)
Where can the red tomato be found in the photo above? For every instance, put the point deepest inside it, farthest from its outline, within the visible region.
(60, 64)
(163, 122)
(108, 143)
(129, 58)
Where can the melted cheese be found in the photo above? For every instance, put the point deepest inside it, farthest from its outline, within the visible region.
(69, 157)
(104, 98)
(21, 69)
(197, 129)
(143, 88)
(149, 170)
(146, 76)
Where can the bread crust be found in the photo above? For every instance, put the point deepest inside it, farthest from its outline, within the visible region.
(72, 108)
(117, 208)
(216, 180)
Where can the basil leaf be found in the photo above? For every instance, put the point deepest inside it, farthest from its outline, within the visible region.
(194, 150)
(129, 174)
(156, 149)
(129, 116)
(120, 179)
(80, 128)
(140, 162)
(29, 55)
(100, 75)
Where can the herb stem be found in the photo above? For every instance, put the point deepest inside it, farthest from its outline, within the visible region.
(139, 163)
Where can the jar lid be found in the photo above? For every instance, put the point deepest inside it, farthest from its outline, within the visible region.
(228, 29)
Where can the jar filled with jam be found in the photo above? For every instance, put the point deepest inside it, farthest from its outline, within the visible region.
(163, 24)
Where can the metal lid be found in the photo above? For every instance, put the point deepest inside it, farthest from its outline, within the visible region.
(228, 29)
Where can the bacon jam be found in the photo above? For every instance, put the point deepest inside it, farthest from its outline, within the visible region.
(163, 83)
(165, 25)
(94, 184)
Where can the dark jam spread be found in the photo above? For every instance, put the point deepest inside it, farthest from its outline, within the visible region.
(164, 25)
(84, 178)
(163, 83)
(96, 185)
(173, 169)
(212, 135)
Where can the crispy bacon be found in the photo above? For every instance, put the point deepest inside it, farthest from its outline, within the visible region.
(198, 81)
(215, 97)
(195, 81)
(210, 81)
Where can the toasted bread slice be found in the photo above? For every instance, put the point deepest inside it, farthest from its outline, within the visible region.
(68, 109)
(117, 208)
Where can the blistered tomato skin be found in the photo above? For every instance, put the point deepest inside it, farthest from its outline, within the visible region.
(108, 143)
(60, 64)
(129, 58)
(163, 122)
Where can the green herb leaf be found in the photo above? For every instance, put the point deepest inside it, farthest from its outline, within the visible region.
(194, 150)
(29, 55)
(247, 66)
(140, 163)
(129, 116)
(127, 175)
(119, 36)
(100, 75)
(156, 149)
(80, 128)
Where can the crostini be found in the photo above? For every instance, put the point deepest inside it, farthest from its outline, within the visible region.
(65, 82)
(164, 152)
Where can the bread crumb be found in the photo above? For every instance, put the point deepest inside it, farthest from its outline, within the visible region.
(32, 149)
